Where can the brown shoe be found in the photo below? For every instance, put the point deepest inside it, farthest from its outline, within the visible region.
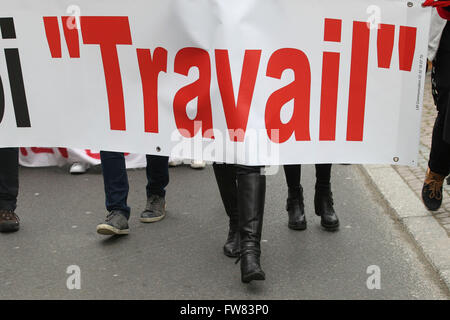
(9, 221)
(432, 190)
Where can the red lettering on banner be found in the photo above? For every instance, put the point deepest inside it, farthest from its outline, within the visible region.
(42, 150)
(407, 46)
(299, 91)
(358, 81)
(64, 153)
(330, 82)
(92, 154)
(385, 45)
(236, 114)
(24, 151)
(72, 37)
(333, 30)
(108, 32)
(53, 36)
(186, 59)
(150, 69)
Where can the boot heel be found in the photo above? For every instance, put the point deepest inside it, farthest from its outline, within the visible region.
(254, 276)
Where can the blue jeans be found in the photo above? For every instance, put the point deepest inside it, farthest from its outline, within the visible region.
(9, 178)
(116, 179)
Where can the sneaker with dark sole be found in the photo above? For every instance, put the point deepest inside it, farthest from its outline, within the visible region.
(155, 209)
(116, 223)
(9, 221)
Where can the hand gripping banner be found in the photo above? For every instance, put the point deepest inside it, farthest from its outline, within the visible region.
(254, 82)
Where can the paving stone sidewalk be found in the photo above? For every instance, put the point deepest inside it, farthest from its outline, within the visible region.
(414, 176)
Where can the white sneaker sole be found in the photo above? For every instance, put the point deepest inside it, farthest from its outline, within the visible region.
(107, 230)
(197, 165)
(150, 220)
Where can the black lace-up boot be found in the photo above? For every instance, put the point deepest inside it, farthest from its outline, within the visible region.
(296, 209)
(323, 204)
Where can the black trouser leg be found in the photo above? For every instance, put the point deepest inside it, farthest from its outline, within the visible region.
(294, 203)
(226, 180)
(157, 175)
(293, 175)
(9, 178)
(440, 150)
(251, 200)
(323, 174)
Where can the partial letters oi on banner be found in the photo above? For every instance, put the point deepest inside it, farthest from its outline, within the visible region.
(239, 81)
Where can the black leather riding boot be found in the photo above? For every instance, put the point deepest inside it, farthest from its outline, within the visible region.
(296, 209)
(226, 180)
(323, 203)
(251, 197)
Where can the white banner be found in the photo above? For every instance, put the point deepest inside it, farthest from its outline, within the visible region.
(254, 82)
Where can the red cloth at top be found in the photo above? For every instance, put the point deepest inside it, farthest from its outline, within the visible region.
(444, 13)
(443, 7)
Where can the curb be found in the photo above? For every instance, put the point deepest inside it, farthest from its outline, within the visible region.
(426, 232)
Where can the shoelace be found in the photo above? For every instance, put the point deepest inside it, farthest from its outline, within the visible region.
(151, 201)
(436, 3)
(110, 215)
(435, 187)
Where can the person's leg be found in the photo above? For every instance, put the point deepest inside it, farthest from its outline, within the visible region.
(293, 175)
(323, 174)
(226, 181)
(439, 161)
(323, 198)
(294, 203)
(157, 181)
(115, 180)
(157, 175)
(9, 189)
(251, 200)
(9, 178)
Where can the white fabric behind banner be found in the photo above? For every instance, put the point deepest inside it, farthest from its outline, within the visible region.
(313, 82)
(47, 157)
(437, 26)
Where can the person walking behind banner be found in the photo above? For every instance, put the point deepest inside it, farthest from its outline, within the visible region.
(9, 189)
(117, 188)
(243, 190)
(439, 161)
(323, 198)
(195, 164)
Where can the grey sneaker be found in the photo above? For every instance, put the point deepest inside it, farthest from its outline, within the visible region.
(115, 223)
(155, 209)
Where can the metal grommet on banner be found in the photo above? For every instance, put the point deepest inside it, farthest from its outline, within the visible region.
(410, 4)
(396, 159)
(158, 149)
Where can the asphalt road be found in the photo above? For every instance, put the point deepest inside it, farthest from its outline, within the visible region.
(181, 256)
